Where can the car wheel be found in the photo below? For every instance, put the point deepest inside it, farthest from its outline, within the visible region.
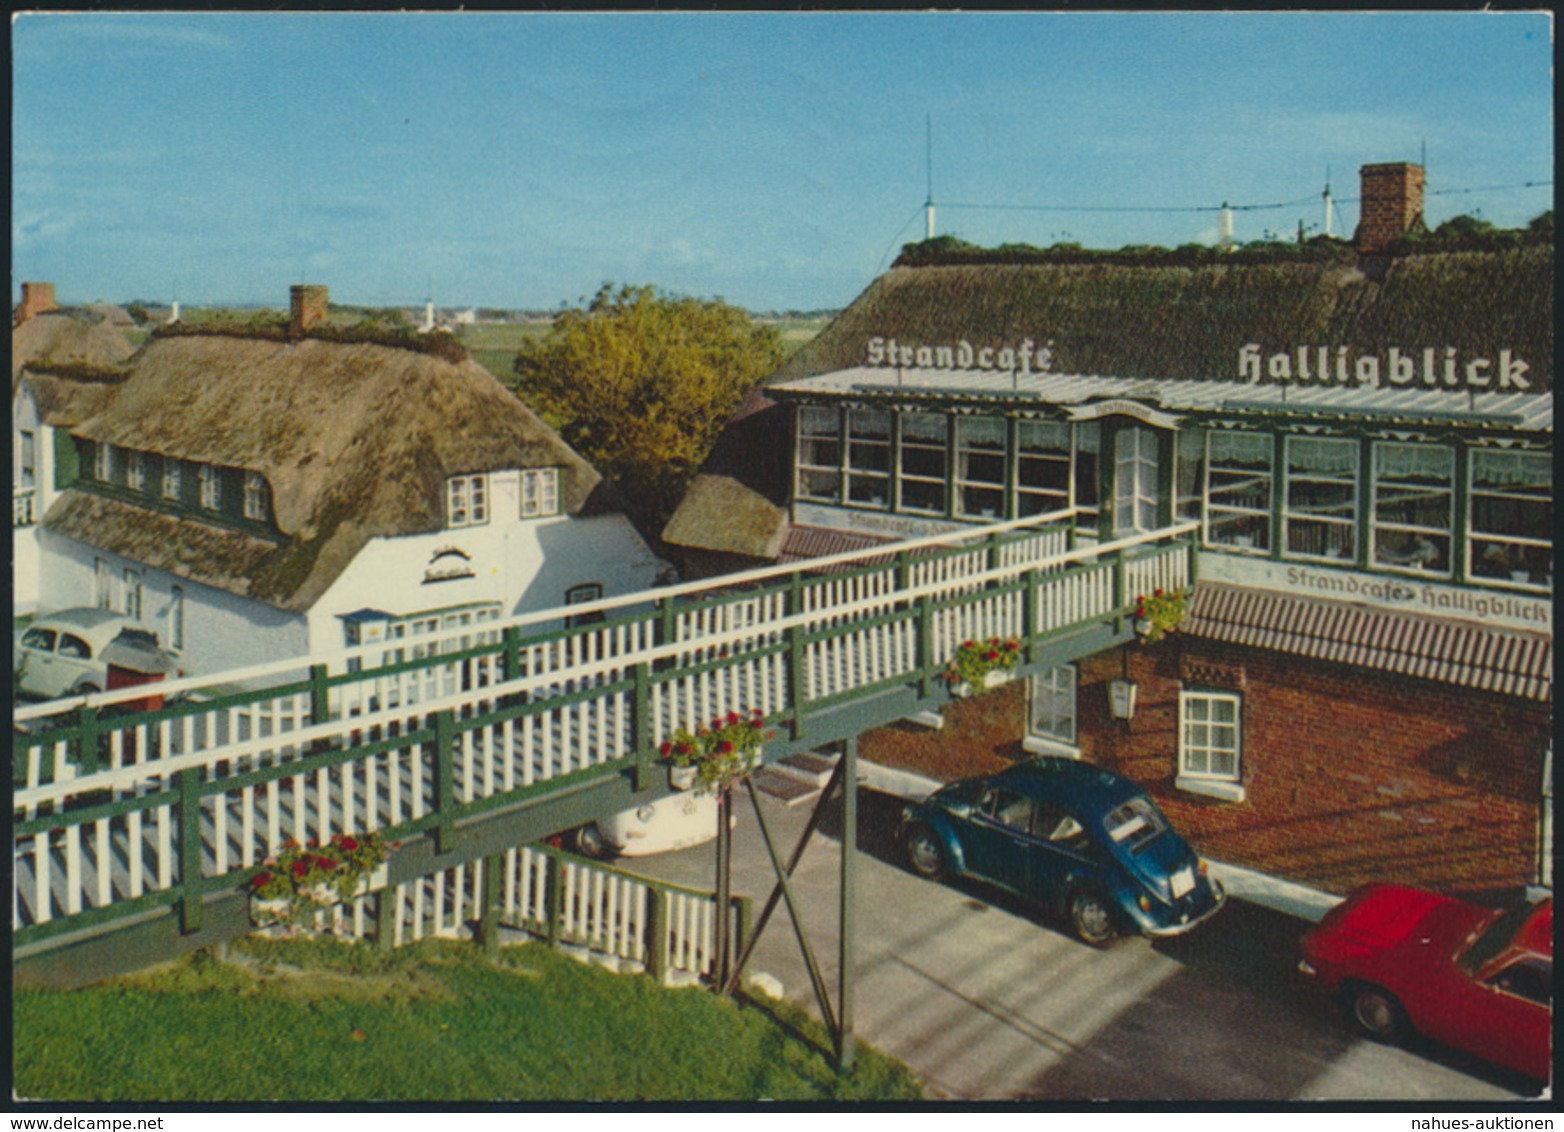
(588, 841)
(1376, 1013)
(925, 855)
(1092, 919)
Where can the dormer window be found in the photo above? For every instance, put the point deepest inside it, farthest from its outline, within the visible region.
(103, 463)
(257, 496)
(135, 471)
(467, 501)
(539, 492)
(173, 478)
(211, 487)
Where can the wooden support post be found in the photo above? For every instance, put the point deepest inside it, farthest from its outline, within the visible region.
(87, 757)
(189, 850)
(385, 924)
(510, 658)
(445, 779)
(554, 897)
(844, 989)
(489, 911)
(925, 640)
(1029, 599)
(657, 933)
(641, 738)
(796, 676)
(724, 918)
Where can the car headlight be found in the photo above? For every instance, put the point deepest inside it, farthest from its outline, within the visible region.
(645, 813)
(1144, 901)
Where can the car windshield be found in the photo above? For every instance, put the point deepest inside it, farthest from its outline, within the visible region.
(1135, 823)
(1495, 938)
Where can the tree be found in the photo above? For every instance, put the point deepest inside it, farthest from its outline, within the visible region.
(640, 382)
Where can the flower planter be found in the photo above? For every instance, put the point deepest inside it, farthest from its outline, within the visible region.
(270, 913)
(683, 777)
(988, 683)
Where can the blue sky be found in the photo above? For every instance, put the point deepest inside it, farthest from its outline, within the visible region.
(774, 159)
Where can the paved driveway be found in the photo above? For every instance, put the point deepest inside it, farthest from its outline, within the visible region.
(986, 1000)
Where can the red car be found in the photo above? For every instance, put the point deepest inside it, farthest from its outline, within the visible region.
(1479, 979)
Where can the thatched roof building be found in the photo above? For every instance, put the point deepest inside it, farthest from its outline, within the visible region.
(1123, 319)
(355, 441)
(67, 337)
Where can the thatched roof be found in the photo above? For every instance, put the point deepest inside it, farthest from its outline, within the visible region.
(67, 336)
(1125, 320)
(355, 440)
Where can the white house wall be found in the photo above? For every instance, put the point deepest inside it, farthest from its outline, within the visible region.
(24, 540)
(221, 630)
(520, 566)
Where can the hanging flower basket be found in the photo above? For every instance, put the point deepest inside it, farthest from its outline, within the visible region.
(301, 888)
(979, 666)
(716, 756)
(1160, 614)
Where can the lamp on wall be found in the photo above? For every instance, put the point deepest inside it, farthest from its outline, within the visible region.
(1121, 699)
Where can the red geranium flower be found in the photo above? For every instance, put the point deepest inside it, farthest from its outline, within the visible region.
(665, 749)
(733, 717)
(725, 748)
(349, 844)
(300, 867)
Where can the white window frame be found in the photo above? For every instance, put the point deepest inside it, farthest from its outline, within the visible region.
(539, 492)
(467, 501)
(130, 595)
(965, 481)
(176, 618)
(173, 478)
(1514, 544)
(1345, 521)
(27, 458)
(1429, 537)
(862, 477)
(102, 584)
(909, 441)
(1054, 685)
(1194, 712)
(813, 430)
(136, 470)
(211, 487)
(103, 462)
(1043, 457)
(1237, 479)
(257, 496)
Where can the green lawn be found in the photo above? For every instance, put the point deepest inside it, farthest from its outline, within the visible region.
(321, 1021)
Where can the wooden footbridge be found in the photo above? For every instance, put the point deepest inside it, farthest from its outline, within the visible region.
(135, 830)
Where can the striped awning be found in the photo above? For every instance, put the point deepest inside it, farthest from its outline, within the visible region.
(1507, 661)
(816, 542)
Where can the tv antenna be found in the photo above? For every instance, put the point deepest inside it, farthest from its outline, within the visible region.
(928, 165)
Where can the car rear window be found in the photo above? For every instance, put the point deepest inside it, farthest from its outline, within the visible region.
(138, 638)
(1134, 823)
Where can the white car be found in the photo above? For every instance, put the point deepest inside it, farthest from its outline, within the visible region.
(675, 822)
(63, 654)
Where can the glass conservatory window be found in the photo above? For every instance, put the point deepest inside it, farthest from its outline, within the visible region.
(1043, 461)
(1321, 516)
(1238, 490)
(1088, 446)
(925, 439)
(819, 454)
(980, 467)
(869, 457)
(1511, 523)
(1414, 494)
(1189, 473)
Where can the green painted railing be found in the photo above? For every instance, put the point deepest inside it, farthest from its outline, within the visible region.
(120, 813)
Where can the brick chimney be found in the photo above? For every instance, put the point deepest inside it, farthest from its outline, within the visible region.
(1392, 205)
(36, 298)
(309, 304)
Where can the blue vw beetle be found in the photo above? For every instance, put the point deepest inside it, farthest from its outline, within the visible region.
(1077, 839)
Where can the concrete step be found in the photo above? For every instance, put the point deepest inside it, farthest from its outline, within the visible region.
(808, 766)
(792, 791)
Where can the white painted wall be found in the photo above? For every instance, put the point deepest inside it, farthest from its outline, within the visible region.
(222, 630)
(523, 565)
(24, 542)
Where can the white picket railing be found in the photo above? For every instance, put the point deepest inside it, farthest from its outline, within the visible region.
(518, 712)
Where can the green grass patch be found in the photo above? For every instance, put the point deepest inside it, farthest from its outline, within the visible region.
(322, 1021)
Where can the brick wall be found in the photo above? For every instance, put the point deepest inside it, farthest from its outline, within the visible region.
(308, 305)
(1350, 776)
(36, 298)
(1392, 202)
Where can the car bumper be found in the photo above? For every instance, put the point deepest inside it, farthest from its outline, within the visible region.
(1167, 931)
